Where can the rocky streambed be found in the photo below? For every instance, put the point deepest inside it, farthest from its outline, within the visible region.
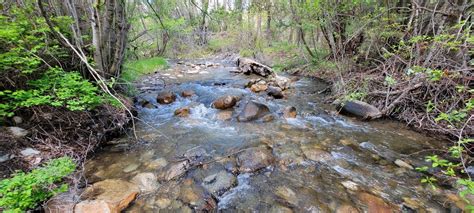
(213, 139)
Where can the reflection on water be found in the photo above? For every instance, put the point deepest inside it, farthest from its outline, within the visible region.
(323, 162)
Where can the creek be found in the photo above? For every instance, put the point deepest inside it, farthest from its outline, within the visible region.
(319, 161)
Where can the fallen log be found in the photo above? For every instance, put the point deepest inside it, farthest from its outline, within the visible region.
(249, 66)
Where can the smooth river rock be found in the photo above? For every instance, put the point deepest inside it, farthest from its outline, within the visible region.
(173, 171)
(252, 111)
(187, 93)
(275, 92)
(225, 102)
(182, 112)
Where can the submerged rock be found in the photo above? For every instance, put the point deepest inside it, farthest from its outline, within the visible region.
(350, 185)
(289, 112)
(107, 196)
(286, 195)
(275, 92)
(268, 118)
(316, 154)
(253, 111)
(166, 97)
(224, 115)
(253, 159)
(374, 204)
(182, 112)
(173, 171)
(146, 182)
(196, 197)
(218, 183)
(360, 109)
(345, 208)
(225, 102)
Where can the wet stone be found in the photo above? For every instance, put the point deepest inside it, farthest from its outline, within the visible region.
(289, 112)
(275, 92)
(253, 159)
(166, 97)
(146, 182)
(286, 195)
(130, 168)
(107, 196)
(182, 112)
(218, 183)
(173, 171)
(316, 154)
(224, 115)
(225, 102)
(252, 111)
(196, 196)
(187, 93)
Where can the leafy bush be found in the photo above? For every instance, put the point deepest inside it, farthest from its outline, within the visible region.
(55, 88)
(25, 190)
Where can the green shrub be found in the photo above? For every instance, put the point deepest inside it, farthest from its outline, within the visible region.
(55, 88)
(25, 190)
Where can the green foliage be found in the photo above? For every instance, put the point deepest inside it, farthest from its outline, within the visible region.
(55, 88)
(24, 191)
(134, 69)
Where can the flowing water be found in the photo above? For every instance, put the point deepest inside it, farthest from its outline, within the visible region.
(323, 162)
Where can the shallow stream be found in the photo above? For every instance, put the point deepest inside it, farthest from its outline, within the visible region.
(320, 161)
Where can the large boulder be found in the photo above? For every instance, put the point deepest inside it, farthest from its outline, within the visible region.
(225, 102)
(360, 109)
(252, 111)
(249, 66)
(166, 97)
(253, 159)
(111, 195)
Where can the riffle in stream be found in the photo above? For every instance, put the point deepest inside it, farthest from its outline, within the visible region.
(316, 162)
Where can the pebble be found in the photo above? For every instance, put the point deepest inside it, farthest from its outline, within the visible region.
(130, 168)
(403, 164)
